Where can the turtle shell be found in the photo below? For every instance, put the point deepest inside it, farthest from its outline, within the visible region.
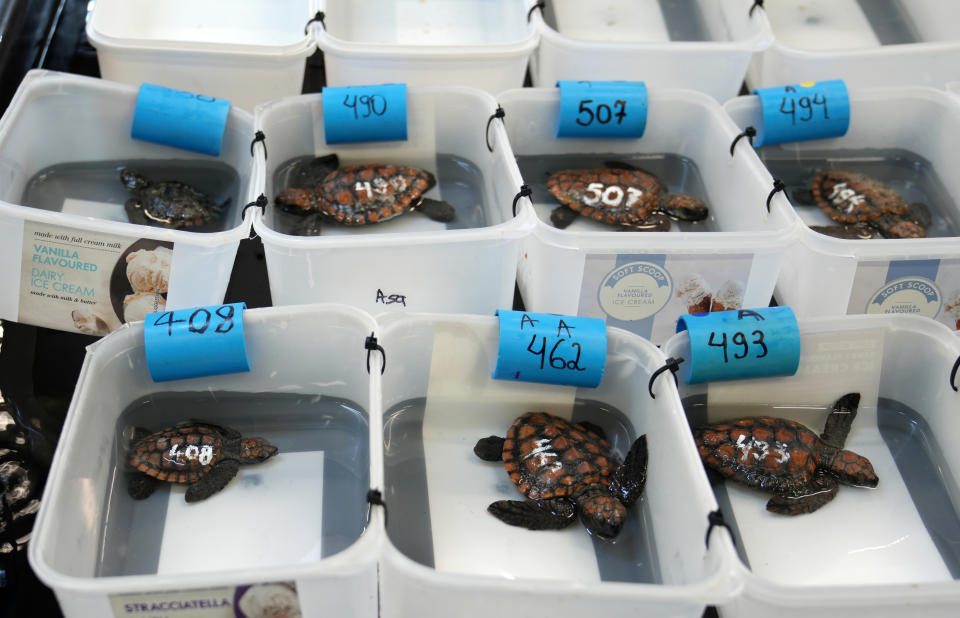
(549, 457)
(850, 197)
(773, 454)
(369, 193)
(181, 454)
(612, 196)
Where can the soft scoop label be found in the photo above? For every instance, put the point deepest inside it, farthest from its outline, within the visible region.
(89, 282)
(270, 599)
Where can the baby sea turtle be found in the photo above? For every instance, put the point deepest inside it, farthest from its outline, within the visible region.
(563, 467)
(862, 205)
(358, 194)
(785, 458)
(203, 455)
(169, 203)
(620, 195)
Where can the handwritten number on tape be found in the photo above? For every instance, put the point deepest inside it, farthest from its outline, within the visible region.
(555, 349)
(805, 111)
(602, 109)
(730, 345)
(190, 343)
(365, 113)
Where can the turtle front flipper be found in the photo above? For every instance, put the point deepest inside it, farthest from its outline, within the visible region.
(535, 514)
(562, 216)
(141, 486)
(822, 489)
(489, 448)
(857, 231)
(134, 212)
(213, 481)
(840, 420)
(630, 478)
(654, 222)
(437, 210)
(685, 208)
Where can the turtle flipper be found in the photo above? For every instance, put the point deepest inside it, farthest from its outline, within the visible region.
(227, 432)
(141, 486)
(139, 433)
(489, 448)
(840, 420)
(213, 481)
(823, 489)
(437, 210)
(654, 222)
(135, 212)
(562, 216)
(802, 197)
(630, 478)
(535, 514)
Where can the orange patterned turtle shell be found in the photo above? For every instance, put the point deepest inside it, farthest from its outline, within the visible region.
(181, 454)
(611, 196)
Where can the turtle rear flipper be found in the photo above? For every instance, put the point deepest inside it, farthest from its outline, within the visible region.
(840, 420)
(213, 481)
(562, 216)
(630, 478)
(535, 514)
(141, 486)
(822, 489)
(489, 448)
(437, 210)
(135, 212)
(802, 197)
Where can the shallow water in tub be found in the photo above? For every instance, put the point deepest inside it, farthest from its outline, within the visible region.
(906, 530)
(94, 189)
(438, 490)
(305, 503)
(679, 174)
(907, 173)
(459, 183)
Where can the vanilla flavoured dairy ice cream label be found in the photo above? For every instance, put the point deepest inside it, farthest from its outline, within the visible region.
(927, 287)
(90, 282)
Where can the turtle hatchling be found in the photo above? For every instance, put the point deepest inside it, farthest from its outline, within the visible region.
(620, 195)
(359, 194)
(168, 203)
(862, 206)
(195, 453)
(785, 458)
(564, 468)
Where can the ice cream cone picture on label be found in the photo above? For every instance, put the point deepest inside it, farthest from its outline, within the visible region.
(140, 279)
(698, 297)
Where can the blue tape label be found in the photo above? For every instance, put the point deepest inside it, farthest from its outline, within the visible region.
(747, 343)
(602, 109)
(812, 110)
(180, 119)
(190, 343)
(365, 113)
(554, 349)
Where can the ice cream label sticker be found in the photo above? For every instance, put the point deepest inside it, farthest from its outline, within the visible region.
(907, 295)
(927, 287)
(88, 282)
(635, 291)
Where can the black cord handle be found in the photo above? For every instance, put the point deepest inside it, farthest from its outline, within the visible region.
(715, 519)
(777, 187)
(497, 114)
(259, 137)
(538, 5)
(525, 191)
(953, 374)
(375, 498)
(370, 344)
(748, 133)
(318, 17)
(756, 3)
(673, 366)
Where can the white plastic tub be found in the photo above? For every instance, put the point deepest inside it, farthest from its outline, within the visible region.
(298, 518)
(409, 262)
(696, 44)
(875, 43)
(830, 276)
(572, 270)
(884, 551)
(245, 51)
(59, 119)
(426, 42)
(445, 550)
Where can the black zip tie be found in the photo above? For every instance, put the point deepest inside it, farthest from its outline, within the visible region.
(525, 191)
(259, 137)
(375, 498)
(318, 17)
(716, 519)
(748, 133)
(497, 114)
(953, 374)
(777, 187)
(261, 201)
(370, 344)
(756, 3)
(673, 365)
(538, 5)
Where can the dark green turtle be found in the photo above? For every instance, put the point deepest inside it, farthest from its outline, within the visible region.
(168, 203)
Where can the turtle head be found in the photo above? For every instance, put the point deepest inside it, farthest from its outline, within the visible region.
(255, 450)
(132, 179)
(854, 469)
(602, 515)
